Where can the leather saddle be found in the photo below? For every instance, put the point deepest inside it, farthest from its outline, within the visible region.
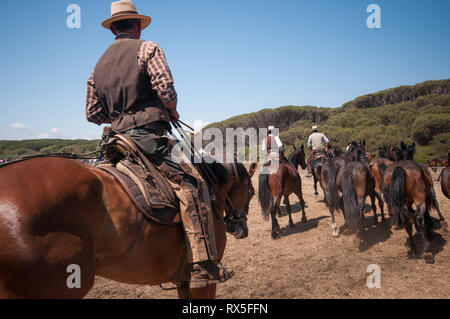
(319, 153)
(143, 182)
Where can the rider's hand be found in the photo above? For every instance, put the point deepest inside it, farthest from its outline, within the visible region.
(172, 107)
(174, 115)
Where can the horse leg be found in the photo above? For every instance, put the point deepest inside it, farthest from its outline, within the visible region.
(315, 184)
(436, 205)
(424, 232)
(302, 204)
(381, 204)
(408, 228)
(333, 222)
(275, 226)
(279, 208)
(374, 207)
(361, 207)
(288, 207)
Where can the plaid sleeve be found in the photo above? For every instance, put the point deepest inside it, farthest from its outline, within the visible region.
(151, 59)
(95, 111)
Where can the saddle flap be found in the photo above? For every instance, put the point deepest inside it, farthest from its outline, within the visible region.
(144, 194)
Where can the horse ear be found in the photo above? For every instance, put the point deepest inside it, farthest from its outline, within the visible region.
(402, 145)
(303, 147)
(364, 142)
(294, 146)
(414, 144)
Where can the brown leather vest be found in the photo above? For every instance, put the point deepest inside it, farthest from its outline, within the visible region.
(125, 90)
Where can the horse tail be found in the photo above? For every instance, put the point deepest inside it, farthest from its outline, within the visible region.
(265, 195)
(332, 186)
(351, 211)
(397, 195)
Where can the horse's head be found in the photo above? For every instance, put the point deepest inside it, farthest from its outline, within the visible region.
(239, 195)
(297, 157)
(383, 152)
(407, 151)
(395, 154)
(357, 152)
(334, 151)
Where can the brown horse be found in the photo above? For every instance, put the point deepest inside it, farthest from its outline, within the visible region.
(445, 182)
(57, 215)
(356, 182)
(407, 184)
(378, 168)
(441, 161)
(282, 182)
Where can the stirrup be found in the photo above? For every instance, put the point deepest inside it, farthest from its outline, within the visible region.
(207, 273)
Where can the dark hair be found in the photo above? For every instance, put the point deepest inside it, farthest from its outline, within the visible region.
(125, 25)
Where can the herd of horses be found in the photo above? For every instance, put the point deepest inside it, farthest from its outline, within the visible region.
(348, 178)
(57, 213)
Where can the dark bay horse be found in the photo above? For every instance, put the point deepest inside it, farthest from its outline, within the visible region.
(316, 168)
(407, 185)
(356, 182)
(350, 175)
(330, 169)
(57, 213)
(445, 182)
(281, 182)
(378, 168)
(407, 151)
(442, 161)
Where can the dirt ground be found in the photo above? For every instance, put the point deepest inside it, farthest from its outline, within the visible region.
(307, 262)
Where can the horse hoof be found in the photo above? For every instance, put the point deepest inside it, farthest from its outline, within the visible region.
(429, 259)
(335, 234)
(275, 236)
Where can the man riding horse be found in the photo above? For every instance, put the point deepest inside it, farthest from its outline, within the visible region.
(272, 145)
(317, 144)
(132, 88)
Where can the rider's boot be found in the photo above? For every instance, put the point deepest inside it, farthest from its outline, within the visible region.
(207, 272)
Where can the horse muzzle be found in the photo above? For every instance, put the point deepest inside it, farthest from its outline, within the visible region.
(238, 229)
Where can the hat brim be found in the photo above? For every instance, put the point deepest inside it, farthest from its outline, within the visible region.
(145, 20)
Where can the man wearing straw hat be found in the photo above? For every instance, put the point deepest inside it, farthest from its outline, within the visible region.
(132, 88)
(317, 144)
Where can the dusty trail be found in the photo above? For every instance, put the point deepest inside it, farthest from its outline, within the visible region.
(307, 262)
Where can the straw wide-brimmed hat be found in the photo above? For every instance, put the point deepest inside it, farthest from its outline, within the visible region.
(271, 128)
(315, 128)
(125, 10)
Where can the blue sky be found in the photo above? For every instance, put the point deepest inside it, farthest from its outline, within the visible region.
(227, 57)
